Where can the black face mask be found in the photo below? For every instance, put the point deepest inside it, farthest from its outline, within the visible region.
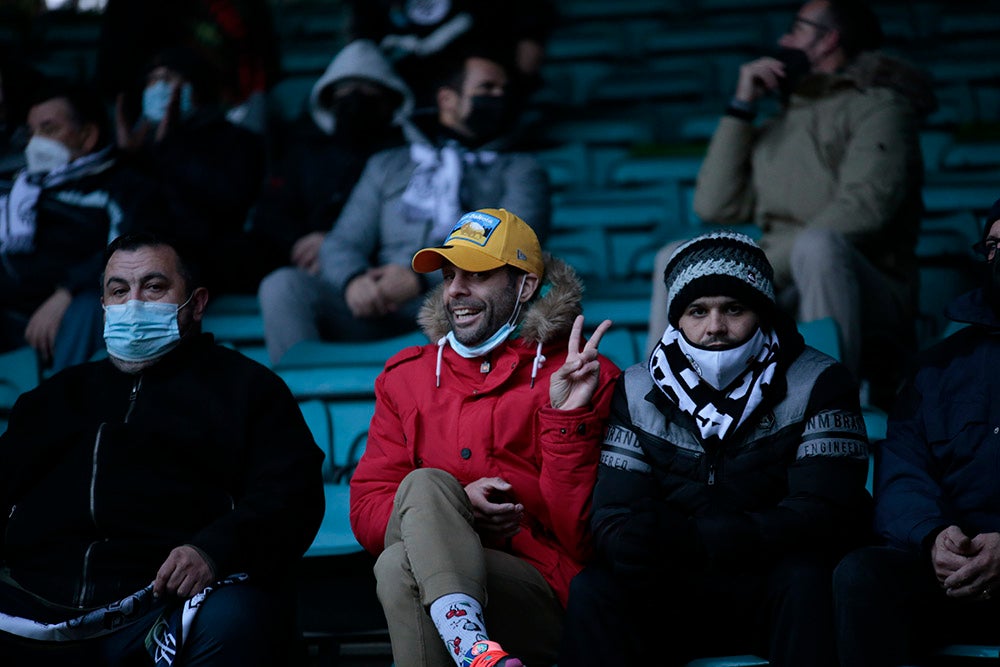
(489, 117)
(361, 118)
(797, 66)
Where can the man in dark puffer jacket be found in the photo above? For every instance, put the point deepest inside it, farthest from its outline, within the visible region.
(732, 479)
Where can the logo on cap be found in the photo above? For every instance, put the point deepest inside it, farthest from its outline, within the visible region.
(475, 227)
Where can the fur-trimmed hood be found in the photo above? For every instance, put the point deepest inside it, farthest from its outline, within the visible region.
(546, 318)
(874, 69)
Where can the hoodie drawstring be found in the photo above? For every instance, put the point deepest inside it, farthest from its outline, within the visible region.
(437, 369)
(537, 363)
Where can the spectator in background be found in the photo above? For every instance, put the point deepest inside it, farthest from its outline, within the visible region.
(482, 452)
(407, 198)
(420, 37)
(19, 81)
(55, 222)
(935, 579)
(208, 170)
(356, 109)
(833, 181)
(732, 479)
(154, 502)
(236, 39)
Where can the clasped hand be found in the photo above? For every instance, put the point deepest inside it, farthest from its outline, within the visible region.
(966, 567)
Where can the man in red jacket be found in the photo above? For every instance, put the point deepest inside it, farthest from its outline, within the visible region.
(482, 453)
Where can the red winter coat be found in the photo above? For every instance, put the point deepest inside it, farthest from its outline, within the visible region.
(492, 424)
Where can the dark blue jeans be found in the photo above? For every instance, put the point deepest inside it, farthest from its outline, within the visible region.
(783, 613)
(237, 625)
(891, 611)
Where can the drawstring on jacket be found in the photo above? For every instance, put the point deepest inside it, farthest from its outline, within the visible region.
(536, 363)
(437, 369)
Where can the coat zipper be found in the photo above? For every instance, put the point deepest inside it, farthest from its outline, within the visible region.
(133, 394)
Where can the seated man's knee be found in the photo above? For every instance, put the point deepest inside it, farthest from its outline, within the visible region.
(394, 581)
(425, 480)
(282, 283)
(236, 624)
(818, 249)
(803, 578)
(857, 573)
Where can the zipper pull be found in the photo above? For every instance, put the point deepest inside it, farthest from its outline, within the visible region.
(12, 508)
(711, 474)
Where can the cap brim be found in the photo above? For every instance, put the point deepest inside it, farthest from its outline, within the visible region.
(465, 258)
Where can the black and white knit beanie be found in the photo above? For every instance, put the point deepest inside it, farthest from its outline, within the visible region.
(722, 263)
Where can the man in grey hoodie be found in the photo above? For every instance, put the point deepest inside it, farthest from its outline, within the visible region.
(355, 110)
(408, 198)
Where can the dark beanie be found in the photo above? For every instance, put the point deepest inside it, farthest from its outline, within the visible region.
(721, 263)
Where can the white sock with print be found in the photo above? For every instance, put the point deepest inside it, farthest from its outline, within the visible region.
(459, 620)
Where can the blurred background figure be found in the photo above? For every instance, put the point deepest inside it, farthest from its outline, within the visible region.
(419, 36)
(355, 110)
(208, 170)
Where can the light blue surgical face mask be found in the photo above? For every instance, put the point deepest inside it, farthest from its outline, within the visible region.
(493, 341)
(156, 100)
(141, 330)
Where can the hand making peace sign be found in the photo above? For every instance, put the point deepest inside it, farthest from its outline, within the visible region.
(573, 385)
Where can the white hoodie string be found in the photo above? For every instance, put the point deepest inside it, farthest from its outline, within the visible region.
(437, 370)
(537, 363)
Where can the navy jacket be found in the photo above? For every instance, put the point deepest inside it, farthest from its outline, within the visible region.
(940, 462)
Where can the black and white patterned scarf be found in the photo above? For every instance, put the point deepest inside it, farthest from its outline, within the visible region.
(717, 413)
(164, 641)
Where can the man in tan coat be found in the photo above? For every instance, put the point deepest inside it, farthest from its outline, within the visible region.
(833, 182)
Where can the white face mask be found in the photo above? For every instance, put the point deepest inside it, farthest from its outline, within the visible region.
(141, 330)
(720, 367)
(44, 155)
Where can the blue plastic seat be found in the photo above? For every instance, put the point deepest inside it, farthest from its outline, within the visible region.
(823, 335)
(729, 661)
(335, 536)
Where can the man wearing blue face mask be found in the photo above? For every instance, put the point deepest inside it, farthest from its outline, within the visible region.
(62, 210)
(732, 478)
(154, 502)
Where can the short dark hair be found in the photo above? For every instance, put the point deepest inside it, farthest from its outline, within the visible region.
(132, 241)
(857, 24)
(85, 105)
(454, 70)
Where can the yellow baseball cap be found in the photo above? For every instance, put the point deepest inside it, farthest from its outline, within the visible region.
(484, 240)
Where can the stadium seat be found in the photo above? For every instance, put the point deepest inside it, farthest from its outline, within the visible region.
(335, 537)
(729, 661)
(350, 421)
(822, 334)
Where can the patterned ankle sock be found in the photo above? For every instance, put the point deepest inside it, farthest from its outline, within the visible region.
(459, 620)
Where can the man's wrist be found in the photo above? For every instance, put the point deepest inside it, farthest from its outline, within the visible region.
(741, 109)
